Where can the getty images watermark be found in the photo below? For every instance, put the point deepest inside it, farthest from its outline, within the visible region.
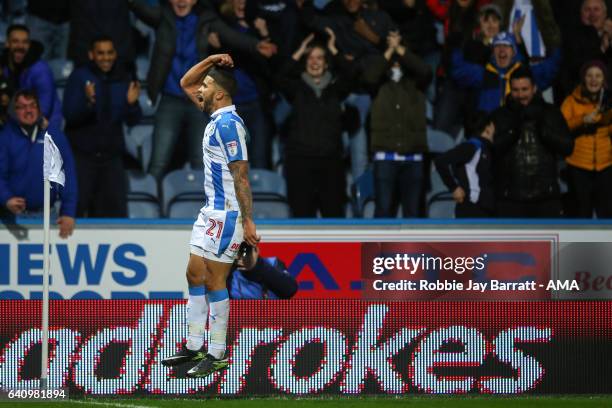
(462, 270)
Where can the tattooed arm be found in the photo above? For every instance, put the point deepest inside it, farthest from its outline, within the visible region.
(240, 174)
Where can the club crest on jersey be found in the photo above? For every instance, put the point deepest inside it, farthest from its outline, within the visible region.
(232, 147)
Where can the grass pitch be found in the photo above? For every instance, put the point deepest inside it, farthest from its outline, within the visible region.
(330, 402)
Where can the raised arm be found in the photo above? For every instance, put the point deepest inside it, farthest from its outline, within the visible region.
(192, 80)
(240, 174)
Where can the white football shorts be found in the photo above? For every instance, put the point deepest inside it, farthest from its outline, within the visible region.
(217, 235)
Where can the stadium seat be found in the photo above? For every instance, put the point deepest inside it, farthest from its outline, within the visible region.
(362, 192)
(142, 68)
(138, 208)
(143, 197)
(61, 69)
(148, 107)
(441, 205)
(436, 185)
(186, 206)
(439, 141)
(142, 183)
(266, 183)
(429, 111)
(272, 208)
(60, 93)
(182, 186)
(139, 143)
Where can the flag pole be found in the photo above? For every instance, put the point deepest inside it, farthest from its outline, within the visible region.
(44, 363)
(52, 171)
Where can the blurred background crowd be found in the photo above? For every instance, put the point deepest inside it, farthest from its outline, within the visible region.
(354, 108)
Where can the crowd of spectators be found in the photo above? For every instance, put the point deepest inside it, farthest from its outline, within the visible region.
(337, 88)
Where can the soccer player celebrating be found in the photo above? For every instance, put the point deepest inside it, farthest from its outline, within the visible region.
(224, 221)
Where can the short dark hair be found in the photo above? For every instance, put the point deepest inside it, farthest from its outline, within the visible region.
(28, 94)
(522, 72)
(17, 27)
(224, 78)
(488, 13)
(100, 38)
(476, 122)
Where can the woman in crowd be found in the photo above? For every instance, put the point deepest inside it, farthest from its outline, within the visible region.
(314, 163)
(588, 112)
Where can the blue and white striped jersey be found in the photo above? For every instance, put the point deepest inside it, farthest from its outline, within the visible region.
(224, 142)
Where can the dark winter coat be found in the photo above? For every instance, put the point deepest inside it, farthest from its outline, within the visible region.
(36, 75)
(528, 143)
(98, 128)
(398, 118)
(21, 169)
(315, 123)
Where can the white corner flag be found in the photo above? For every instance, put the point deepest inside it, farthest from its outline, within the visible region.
(52, 166)
(52, 172)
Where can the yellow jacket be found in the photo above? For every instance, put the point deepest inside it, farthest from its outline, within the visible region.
(592, 150)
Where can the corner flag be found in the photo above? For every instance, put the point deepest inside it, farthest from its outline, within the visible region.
(52, 172)
(52, 165)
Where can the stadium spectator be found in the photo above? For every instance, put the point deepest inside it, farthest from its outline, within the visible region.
(467, 170)
(478, 48)
(25, 70)
(92, 18)
(588, 115)
(283, 22)
(415, 23)
(5, 98)
(313, 149)
(253, 76)
(21, 164)
(492, 81)
(539, 29)
(586, 40)
(48, 23)
(529, 134)
(398, 127)
(181, 39)
(454, 102)
(361, 32)
(255, 277)
(100, 98)
(568, 13)
(456, 15)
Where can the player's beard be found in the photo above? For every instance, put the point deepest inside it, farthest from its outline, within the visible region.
(207, 105)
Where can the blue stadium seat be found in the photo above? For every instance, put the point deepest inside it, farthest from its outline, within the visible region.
(148, 107)
(429, 111)
(61, 68)
(139, 143)
(436, 186)
(186, 206)
(363, 193)
(263, 208)
(138, 208)
(143, 197)
(182, 186)
(441, 205)
(439, 141)
(266, 183)
(142, 68)
(60, 92)
(142, 183)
